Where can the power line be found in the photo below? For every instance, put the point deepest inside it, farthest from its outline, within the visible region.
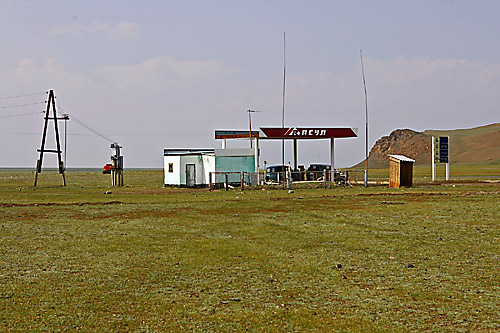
(20, 114)
(81, 123)
(20, 105)
(25, 95)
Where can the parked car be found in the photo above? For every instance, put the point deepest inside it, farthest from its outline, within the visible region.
(316, 171)
(274, 172)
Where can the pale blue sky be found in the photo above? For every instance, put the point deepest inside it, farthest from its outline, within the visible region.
(166, 74)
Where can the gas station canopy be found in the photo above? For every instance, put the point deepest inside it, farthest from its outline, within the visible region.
(307, 132)
(287, 133)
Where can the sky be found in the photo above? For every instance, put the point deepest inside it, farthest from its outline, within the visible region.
(157, 74)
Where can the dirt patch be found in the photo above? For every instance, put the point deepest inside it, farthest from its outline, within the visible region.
(62, 204)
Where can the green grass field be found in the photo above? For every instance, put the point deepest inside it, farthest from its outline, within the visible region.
(147, 258)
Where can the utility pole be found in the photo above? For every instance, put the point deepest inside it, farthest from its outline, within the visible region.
(250, 124)
(117, 170)
(50, 102)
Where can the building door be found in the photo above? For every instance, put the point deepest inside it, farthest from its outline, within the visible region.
(190, 175)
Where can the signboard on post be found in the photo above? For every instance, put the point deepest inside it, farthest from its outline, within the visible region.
(435, 150)
(443, 149)
(441, 154)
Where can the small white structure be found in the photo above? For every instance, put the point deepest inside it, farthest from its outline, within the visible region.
(188, 167)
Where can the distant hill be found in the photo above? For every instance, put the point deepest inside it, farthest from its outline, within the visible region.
(479, 145)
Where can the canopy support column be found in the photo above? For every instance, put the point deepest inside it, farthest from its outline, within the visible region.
(295, 166)
(332, 159)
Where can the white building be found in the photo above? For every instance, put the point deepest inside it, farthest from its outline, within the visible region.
(192, 167)
(188, 167)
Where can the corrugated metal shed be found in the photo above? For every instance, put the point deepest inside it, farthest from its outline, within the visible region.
(235, 160)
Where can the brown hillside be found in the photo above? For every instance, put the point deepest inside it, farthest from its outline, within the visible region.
(474, 145)
(479, 146)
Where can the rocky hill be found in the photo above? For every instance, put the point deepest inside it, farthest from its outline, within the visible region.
(405, 142)
(475, 145)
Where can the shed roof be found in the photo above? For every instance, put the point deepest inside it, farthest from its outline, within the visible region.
(402, 158)
(167, 152)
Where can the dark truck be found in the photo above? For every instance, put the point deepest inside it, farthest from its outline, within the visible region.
(274, 172)
(316, 172)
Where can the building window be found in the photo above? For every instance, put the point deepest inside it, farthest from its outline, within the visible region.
(170, 167)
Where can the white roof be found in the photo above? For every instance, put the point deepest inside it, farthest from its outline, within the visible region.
(402, 158)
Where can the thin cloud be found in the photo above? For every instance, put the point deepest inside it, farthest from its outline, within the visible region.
(162, 71)
(123, 30)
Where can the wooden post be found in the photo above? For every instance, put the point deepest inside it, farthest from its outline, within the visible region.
(210, 181)
(62, 173)
(36, 171)
(242, 181)
(227, 181)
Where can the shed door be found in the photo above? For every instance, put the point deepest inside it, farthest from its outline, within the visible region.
(190, 175)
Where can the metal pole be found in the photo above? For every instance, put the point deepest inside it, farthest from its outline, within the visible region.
(66, 117)
(295, 161)
(332, 157)
(448, 163)
(433, 159)
(366, 118)
(250, 126)
(283, 113)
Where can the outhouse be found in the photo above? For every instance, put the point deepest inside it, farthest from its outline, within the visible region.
(400, 171)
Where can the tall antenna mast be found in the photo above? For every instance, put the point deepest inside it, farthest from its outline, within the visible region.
(366, 118)
(283, 115)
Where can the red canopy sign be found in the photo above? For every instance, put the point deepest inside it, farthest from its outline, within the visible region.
(307, 132)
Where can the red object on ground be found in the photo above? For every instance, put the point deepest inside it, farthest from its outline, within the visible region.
(107, 168)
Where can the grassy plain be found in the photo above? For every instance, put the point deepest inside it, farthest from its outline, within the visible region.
(148, 258)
